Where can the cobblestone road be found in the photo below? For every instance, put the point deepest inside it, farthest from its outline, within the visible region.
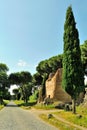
(15, 118)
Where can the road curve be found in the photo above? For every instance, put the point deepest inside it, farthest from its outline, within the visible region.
(15, 118)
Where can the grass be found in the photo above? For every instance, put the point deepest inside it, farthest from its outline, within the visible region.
(1, 106)
(24, 105)
(79, 119)
(57, 123)
(33, 104)
(5, 102)
(44, 107)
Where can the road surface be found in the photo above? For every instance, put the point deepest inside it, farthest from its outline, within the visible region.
(15, 118)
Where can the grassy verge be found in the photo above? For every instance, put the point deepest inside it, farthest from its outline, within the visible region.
(44, 107)
(79, 119)
(1, 106)
(5, 102)
(24, 105)
(57, 123)
(33, 104)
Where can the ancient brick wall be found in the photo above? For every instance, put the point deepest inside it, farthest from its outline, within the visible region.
(54, 87)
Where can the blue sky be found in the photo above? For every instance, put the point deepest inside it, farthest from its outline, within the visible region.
(32, 30)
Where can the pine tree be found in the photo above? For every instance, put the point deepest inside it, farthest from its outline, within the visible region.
(73, 79)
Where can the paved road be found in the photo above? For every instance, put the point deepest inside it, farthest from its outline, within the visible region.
(15, 118)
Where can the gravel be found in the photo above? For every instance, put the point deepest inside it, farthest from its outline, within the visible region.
(15, 118)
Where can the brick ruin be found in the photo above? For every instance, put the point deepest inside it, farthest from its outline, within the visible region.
(55, 90)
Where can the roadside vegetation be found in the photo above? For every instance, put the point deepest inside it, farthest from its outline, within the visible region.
(5, 102)
(57, 123)
(79, 119)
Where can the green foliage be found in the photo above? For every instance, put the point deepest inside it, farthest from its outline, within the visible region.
(46, 67)
(34, 96)
(37, 79)
(20, 77)
(45, 107)
(3, 67)
(25, 90)
(58, 123)
(75, 119)
(50, 65)
(23, 79)
(4, 82)
(73, 79)
(84, 54)
(16, 93)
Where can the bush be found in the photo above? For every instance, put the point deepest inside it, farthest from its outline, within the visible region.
(34, 96)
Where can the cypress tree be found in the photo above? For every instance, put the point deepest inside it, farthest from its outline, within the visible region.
(73, 78)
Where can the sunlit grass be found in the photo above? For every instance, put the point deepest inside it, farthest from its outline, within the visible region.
(80, 118)
(19, 102)
(1, 106)
(5, 102)
(44, 107)
(57, 123)
(24, 105)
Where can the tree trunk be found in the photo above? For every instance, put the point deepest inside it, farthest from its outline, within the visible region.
(73, 106)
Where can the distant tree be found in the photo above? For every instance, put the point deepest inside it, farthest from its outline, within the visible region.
(37, 79)
(22, 79)
(46, 67)
(73, 78)
(50, 65)
(3, 67)
(4, 83)
(26, 77)
(84, 54)
(25, 90)
(34, 96)
(55, 62)
(16, 92)
(15, 78)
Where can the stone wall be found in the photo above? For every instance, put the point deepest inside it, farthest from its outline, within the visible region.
(54, 88)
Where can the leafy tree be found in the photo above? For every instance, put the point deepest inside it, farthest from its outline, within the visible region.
(15, 78)
(22, 79)
(37, 79)
(55, 62)
(73, 79)
(3, 67)
(34, 96)
(50, 65)
(4, 83)
(16, 92)
(46, 67)
(26, 91)
(25, 77)
(84, 54)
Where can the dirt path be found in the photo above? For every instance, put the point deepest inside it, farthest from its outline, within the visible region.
(15, 118)
(38, 112)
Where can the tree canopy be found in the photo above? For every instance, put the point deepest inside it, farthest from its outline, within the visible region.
(73, 78)
(4, 82)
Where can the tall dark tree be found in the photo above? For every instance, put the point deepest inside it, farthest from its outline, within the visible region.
(73, 79)
(4, 83)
